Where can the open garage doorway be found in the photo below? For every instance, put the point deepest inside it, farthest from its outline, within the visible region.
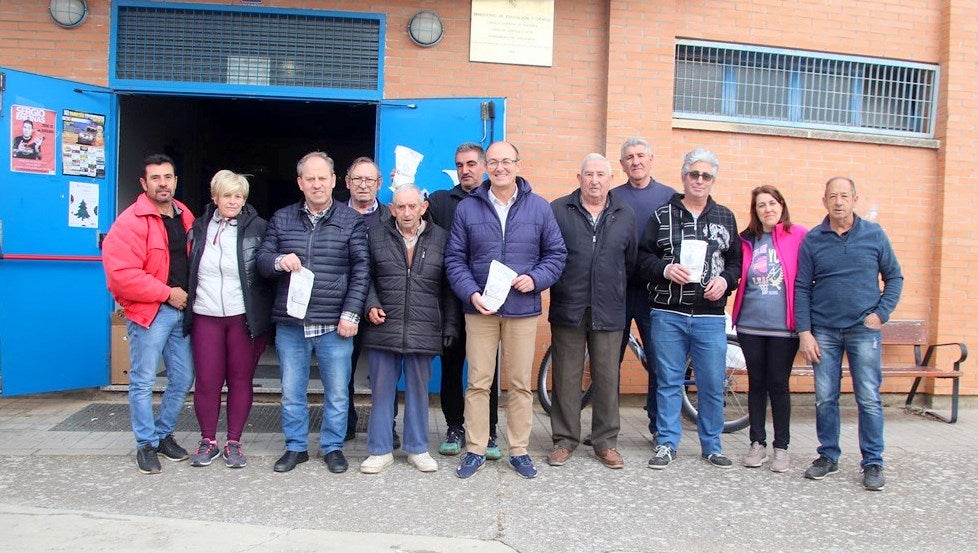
(263, 138)
(260, 137)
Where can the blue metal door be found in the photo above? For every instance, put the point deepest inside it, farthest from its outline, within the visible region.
(434, 127)
(57, 195)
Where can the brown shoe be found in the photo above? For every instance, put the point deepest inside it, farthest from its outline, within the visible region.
(610, 458)
(559, 456)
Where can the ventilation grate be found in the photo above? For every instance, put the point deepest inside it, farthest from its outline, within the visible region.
(256, 48)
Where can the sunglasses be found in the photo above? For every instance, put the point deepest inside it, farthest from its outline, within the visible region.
(695, 175)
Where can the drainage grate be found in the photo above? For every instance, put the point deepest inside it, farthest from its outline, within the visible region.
(114, 417)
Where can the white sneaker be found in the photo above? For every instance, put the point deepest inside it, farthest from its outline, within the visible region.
(376, 463)
(756, 456)
(423, 462)
(781, 462)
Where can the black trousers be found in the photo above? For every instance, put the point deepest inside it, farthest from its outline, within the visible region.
(453, 390)
(769, 360)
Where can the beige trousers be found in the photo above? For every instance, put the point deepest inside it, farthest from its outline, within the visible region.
(516, 338)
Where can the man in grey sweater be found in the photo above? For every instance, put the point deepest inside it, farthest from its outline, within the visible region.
(839, 307)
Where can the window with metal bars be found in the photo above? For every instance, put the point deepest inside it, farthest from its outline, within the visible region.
(769, 86)
(187, 46)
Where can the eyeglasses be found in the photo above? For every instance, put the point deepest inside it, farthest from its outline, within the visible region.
(695, 175)
(505, 162)
(360, 181)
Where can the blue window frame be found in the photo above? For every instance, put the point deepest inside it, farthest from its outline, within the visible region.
(246, 51)
(792, 88)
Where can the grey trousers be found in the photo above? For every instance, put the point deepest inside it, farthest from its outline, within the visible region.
(569, 344)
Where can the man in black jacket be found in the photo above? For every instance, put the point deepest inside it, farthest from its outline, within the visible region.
(413, 313)
(587, 307)
(330, 240)
(470, 164)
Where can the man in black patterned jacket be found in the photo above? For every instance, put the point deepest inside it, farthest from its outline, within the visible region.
(688, 294)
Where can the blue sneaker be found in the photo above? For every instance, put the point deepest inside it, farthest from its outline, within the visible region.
(493, 452)
(471, 464)
(523, 465)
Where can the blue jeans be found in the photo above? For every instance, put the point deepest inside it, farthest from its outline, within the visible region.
(163, 339)
(295, 354)
(703, 339)
(385, 370)
(862, 347)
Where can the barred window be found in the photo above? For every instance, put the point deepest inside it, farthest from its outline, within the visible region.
(792, 88)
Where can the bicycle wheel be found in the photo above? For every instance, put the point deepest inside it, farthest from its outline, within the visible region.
(734, 390)
(545, 381)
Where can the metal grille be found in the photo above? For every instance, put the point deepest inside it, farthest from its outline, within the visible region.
(798, 89)
(262, 48)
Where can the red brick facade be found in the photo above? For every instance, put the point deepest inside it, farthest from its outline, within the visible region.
(612, 77)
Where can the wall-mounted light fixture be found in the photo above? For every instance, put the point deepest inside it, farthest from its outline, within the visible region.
(426, 28)
(68, 13)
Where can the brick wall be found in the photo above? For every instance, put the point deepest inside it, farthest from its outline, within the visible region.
(612, 78)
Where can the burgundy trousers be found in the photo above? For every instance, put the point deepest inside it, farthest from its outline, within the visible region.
(224, 352)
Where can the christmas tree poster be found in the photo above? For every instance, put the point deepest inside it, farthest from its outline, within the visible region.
(83, 205)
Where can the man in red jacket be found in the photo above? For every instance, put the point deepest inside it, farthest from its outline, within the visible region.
(146, 269)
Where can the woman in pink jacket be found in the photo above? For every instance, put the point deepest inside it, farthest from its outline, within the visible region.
(764, 316)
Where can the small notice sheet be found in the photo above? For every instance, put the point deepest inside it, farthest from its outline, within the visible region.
(498, 285)
(300, 290)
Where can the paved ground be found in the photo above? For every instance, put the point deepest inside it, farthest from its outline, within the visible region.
(79, 491)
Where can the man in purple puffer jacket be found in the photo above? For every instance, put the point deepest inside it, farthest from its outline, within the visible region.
(502, 220)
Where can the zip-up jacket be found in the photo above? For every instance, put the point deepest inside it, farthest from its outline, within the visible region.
(532, 246)
(256, 292)
(442, 205)
(136, 259)
(599, 260)
(838, 276)
(421, 308)
(335, 251)
(786, 245)
(661, 244)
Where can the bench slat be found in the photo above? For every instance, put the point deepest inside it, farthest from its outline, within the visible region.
(909, 333)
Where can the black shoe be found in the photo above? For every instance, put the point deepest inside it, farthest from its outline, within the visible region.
(147, 460)
(168, 448)
(288, 461)
(397, 439)
(821, 467)
(336, 462)
(873, 478)
(351, 434)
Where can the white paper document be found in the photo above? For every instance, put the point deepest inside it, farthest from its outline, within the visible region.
(692, 255)
(300, 290)
(498, 285)
(406, 162)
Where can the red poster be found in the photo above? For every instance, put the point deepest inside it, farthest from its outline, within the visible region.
(33, 146)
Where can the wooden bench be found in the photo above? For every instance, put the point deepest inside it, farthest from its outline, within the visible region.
(914, 333)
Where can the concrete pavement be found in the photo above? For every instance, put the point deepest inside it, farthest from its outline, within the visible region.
(80, 491)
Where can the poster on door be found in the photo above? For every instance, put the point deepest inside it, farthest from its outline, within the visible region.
(33, 141)
(82, 144)
(82, 204)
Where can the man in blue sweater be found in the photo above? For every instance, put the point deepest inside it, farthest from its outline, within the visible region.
(644, 195)
(839, 308)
